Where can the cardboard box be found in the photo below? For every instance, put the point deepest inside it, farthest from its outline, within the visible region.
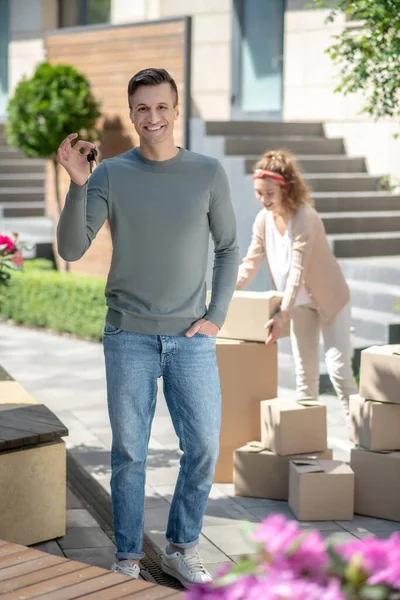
(377, 483)
(247, 314)
(259, 473)
(374, 425)
(321, 490)
(291, 428)
(380, 373)
(248, 373)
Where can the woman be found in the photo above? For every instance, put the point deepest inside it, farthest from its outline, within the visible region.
(289, 233)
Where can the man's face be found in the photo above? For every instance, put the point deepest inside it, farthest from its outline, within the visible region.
(153, 112)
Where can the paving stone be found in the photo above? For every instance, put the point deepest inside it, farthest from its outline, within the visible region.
(337, 537)
(84, 537)
(214, 569)
(262, 512)
(99, 557)
(50, 547)
(72, 500)
(220, 512)
(361, 524)
(230, 539)
(80, 517)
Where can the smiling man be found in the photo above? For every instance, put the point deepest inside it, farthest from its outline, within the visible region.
(162, 203)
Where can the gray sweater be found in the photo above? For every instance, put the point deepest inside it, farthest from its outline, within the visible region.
(160, 214)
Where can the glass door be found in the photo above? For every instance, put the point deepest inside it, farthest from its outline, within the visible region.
(257, 59)
(3, 58)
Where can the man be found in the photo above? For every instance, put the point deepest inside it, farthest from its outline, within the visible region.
(161, 202)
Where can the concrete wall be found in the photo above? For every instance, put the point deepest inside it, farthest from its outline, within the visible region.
(309, 81)
(211, 46)
(28, 22)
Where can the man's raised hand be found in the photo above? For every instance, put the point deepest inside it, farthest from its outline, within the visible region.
(73, 161)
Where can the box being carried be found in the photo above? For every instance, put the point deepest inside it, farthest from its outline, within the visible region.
(380, 373)
(377, 483)
(259, 473)
(248, 373)
(247, 314)
(291, 428)
(374, 425)
(321, 490)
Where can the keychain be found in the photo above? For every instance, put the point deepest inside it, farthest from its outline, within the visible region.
(92, 156)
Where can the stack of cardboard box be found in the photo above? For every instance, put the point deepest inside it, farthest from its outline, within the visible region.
(248, 372)
(292, 462)
(375, 429)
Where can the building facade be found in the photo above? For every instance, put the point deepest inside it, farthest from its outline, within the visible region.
(250, 59)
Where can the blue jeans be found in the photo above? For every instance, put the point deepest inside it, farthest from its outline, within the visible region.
(189, 369)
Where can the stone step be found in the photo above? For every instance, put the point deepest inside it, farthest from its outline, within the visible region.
(30, 229)
(22, 209)
(330, 163)
(358, 245)
(382, 297)
(9, 152)
(343, 182)
(21, 194)
(355, 201)
(377, 325)
(378, 270)
(244, 145)
(22, 165)
(275, 128)
(361, 222)
(17, 180)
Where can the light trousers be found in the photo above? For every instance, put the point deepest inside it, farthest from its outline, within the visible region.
(306, 325)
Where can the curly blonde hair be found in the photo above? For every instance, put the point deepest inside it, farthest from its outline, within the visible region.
(296, 192)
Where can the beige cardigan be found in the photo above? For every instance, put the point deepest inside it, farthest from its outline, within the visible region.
(313, 264)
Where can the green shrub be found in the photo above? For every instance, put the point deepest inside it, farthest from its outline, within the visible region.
(64, 302)
(38, 264)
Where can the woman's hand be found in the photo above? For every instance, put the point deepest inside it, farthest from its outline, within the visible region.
(274, 331)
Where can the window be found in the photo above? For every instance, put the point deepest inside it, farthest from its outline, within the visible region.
(83, 12)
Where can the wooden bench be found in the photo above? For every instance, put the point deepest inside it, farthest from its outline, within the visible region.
(27, 573)
(33, 477)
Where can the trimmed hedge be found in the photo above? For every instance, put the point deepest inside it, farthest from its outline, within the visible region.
(64, 302)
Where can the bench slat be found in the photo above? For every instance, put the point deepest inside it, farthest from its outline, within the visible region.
(28, 579)
(29, 425)
(56, 583)
(30, 567)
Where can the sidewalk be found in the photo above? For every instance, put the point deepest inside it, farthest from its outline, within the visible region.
(68, 376)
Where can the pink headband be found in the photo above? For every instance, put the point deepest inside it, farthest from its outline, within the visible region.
(273, 175)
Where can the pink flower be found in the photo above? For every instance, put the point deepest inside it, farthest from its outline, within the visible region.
(276, 585)
(288, 547)
(5, 240)
(379, 558)
(277, 535)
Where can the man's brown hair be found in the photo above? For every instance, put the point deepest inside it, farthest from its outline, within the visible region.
(151, 77)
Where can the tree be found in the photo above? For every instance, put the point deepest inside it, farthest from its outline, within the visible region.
(56, 101)
(369, 54)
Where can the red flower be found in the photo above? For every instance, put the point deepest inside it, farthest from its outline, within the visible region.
(10, 246)
(18, 259)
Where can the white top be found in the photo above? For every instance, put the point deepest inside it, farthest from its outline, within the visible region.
(279, 252)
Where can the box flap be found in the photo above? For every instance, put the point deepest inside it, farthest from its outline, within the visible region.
(393, 349)
(333, 467)
(252, 447)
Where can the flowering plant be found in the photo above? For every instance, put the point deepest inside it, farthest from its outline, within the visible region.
(293, 564)
(10, 257)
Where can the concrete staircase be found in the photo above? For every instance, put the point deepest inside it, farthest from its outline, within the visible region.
(362, 220)
(23, 200)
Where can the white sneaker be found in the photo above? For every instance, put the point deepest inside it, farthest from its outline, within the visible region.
(126, 567)
(187, 568)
